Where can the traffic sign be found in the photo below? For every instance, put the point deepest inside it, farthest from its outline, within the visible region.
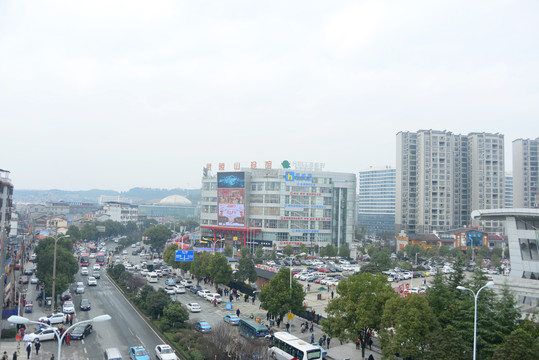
(184, 255)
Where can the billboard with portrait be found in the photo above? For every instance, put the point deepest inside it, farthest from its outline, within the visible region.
(231, 180)
(231, 204)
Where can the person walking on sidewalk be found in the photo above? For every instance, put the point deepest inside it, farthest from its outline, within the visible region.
(312, 338)
(238, 312)
(14, 356)
(37, 346)
(312, 326)
(328, 341)
(28, 349)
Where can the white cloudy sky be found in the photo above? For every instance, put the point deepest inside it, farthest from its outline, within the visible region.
(118, 94)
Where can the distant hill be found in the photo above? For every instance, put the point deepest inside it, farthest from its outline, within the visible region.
(136, 194)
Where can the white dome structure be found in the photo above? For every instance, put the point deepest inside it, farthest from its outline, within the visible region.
(176, 200)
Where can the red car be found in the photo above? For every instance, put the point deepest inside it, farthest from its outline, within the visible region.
(324, 270)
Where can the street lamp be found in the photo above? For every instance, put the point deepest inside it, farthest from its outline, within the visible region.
(56, 238)
(22, 320)
(476, 295)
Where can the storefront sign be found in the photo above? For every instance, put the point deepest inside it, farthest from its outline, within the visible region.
(305, 231)
(304, 218)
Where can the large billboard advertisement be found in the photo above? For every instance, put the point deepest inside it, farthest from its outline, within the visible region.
(231, 207)
(231, 180)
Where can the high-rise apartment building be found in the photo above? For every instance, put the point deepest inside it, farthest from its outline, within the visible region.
(442, 177)
(526, 173)
(376, 199)
(508, 190)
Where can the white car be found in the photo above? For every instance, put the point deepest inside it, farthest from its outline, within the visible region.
(171, 290)
(56, 318)
(80, 288)
(97, 267)
(203, 293)
(68, 307)
(84, 271)
(165, 352)
(92, 281)
(92, 256)
(193, 307)
(211, 297)
(42, 334)
(180, 289)
(187, 283)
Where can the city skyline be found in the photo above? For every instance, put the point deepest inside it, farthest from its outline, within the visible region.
(116, 95)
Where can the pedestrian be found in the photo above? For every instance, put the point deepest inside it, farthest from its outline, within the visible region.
(332, 294)
(238, 312)
(371, 357)
(37, 346)
(324, 339)
(68, 339)
(302, 328)
(5, 356)
(14, 356)
(253, 300)
(52, 357)
(70, 320)
(320, 342)
(28, 349)
(369, 342)
(328, 340)
(267, 316)
(312, 326)
(278, 322)
(246, 298)
(358, 343)
(312, 338)
(288, 327)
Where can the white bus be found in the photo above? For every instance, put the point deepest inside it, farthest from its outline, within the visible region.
(286, 346)
(152, 277)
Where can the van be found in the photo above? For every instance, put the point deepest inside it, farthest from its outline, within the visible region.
(152, 277)
(113, 354)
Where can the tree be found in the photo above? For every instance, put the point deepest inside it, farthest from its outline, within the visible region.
(303, 249)
(200, 264)
(522, 343)
(380, 258)
(229, 251)
(370, 268)
(156, 302)
(344, 251)
(358, 308)
(245, 252)
(277, 297)
(131, 227)
(406, 325)
(259, 253)
(158, 235)
(88, 232)
(74, 233)
(445, 344)
(219, 269)
(246, 270)
(288, 250)
(175, 314)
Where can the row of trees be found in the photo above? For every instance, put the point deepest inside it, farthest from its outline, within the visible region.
(436, 326)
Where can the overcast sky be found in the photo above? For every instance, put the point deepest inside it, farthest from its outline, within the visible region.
(119, 94)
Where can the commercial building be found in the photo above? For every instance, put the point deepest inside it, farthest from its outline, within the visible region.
(526, 173)
(442, 177)
(171, 207)
(279, 207)
(7, 258)
(376, 199)
(119, 212)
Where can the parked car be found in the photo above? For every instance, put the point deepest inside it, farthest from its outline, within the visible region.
(203, 293)
(29, 271)
(34, 280)
(68, 307)
(23, 279)
(85, 305)
(42, 334)
(165, 352)
(203, 326)
(232, 319)
(56, 318)
(187, 283)
(138, 353)
(170, 282)
(170, 290)
(180, 289)
(195, 289)
(193, 307)
(81, 331)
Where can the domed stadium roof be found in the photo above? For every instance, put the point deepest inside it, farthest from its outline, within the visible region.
(175, 200)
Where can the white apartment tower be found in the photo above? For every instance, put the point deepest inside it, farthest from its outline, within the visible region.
(442, 177)
(525, 173)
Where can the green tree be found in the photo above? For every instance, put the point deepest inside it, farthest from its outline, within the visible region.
(380, 258)
(74, 233)
(88, 232)
(288, 250)
(259, 255)
(200, 264)
(522, 343)
(344, 251)
(278, 298)
(175, 314)
(245, 252)
(229, 251)
(156, 302)
(358, 308)
(303, 249)
(219, 269)
(370, 268)
(246, 270)
(445, 344)
(169, 256)
(131, 227)
(158, 235)
(407, 324)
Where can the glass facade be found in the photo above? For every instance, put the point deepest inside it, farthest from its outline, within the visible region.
(376, 200)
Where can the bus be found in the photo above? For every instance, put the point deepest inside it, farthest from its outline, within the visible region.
(100, 259)
(252, 330)
(93, 249)
(286, 346)
(85, 259)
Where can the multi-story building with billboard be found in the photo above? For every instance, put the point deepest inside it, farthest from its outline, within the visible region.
(279, 207)
(376, 200)
(442, 177)
(526, 173)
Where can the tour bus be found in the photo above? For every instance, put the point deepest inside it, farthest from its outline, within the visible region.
(286, 346)
(85, 259)
(252, 330)
(152, 277)
(100, 259)
(93, 249)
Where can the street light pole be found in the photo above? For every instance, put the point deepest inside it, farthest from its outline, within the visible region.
(476, 295)
(56, 238)
(22, 320)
